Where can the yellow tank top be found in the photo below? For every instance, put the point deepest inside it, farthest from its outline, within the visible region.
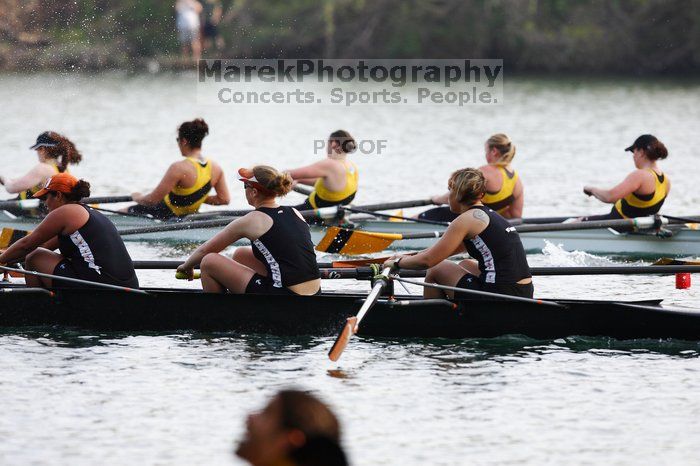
(184, 201)
(29, 193)
(322, 196)
(501, 199)
(634, 205)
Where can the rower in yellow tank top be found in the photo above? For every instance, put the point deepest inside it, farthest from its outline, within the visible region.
(324, 197)
(55, 153)
(503, 198)
(504, 188)
(335, 179)
(638, 205)
(185, 201)
(642, 192)
(29, 193)
(186, 184)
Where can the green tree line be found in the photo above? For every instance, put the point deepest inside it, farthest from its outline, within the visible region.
(593, 36)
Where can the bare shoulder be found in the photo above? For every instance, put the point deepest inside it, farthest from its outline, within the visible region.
(488, 169)
(479, 215)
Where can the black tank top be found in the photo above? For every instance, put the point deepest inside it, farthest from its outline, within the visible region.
(97, 252)
(499, 251)
(286, 248)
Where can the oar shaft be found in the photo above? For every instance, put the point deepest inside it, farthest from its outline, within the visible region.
(365, 273)
(396, 205)
(373, 296)
(305, 190)
(73, 280)
(324, 212)
(34, 203)
(398, 217)
(484, 294)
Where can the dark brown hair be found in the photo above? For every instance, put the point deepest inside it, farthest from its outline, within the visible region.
(193, 131)
(347, 142)
(656, 150)
(65, 151)
(79, 192)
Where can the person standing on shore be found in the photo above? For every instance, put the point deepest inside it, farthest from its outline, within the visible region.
(188, 26)
(212, 13)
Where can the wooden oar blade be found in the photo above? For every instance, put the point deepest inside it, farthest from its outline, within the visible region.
(9, 236)
(351, 242)
(343, 339)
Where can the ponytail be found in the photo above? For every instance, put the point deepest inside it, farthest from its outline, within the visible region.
(193, 132)
(505, 147)
(656, 150)
(277, 183)
(80, 191)
(64, 152)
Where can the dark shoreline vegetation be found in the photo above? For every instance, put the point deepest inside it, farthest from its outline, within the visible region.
(580, 37)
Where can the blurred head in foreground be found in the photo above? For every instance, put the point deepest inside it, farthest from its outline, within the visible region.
(295, 428)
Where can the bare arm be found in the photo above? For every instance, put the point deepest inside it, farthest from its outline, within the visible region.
(515, 210)
(441, 199)
(629, 185)
(222, 196)
(310, 173)
(169, 181)
(244, 227)
(466, 225)
(45, 234)
(33, 177)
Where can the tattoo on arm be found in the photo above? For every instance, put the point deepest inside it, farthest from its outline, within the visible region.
(481, 216)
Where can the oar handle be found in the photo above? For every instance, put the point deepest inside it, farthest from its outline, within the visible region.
(182, 276)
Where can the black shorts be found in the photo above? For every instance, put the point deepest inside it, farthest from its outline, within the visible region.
(438, 214)
(210, 30)
(612, 215)
(306, 205)
(471, 282)
(160, 211)
(66, 269)
(264, 285)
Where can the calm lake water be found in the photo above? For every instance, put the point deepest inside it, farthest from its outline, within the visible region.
(72, 397)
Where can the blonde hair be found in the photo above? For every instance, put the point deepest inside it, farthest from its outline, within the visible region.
(279, 183)
(505, 147)
(469, 184)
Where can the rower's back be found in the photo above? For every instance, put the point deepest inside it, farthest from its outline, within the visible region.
(498, 250)
(97, 252)
(286, 248)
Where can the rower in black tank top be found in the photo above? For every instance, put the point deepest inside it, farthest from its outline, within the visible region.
(501, 257)
(286, 250)
(95, 252)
